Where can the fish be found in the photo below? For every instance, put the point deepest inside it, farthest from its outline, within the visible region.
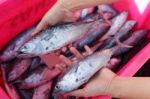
(35, 63)
(38, 77)
(11, 90)
(117, 23)
(43, 91)
(24, 94)
(10, 51)
(55, 37)
(108, 11)
(132, 40)
(121, 34)
(18, 68)
(107, 8)
(81, 72)
(92, 36)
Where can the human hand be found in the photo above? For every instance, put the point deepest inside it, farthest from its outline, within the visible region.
(98, 85)
(57, 14)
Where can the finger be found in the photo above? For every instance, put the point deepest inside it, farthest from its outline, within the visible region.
(75, 60)
(66, 60)
(59, 67)
(43, 24)
(70, 45)
(96, 46)
(64, 49)
(70, 16)
(88, 50)
(57, 52)
(84, 54)
(78, 93)
(76, 53)
(63, 65)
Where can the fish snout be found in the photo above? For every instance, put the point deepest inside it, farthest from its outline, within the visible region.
(57, 90)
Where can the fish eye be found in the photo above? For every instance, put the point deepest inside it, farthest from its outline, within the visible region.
(25, 47)
(57, 87)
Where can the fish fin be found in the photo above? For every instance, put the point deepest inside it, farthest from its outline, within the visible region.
(55, 97)
(104, 17)
(93, 19)
(122, 44)
(17, 81)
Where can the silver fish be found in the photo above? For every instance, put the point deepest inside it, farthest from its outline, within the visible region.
(55, 37)
(81, 72)
(107, 8)
(43, 91)
(10, 50)
(117, 23)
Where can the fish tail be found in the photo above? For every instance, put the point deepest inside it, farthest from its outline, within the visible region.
(120, 45)
(17, 81)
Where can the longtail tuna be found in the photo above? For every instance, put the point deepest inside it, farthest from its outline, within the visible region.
(43, 91)
(117, 23)
(56, 37)
(10, 51)
(81, 72)
(121, 34)
(18, 68)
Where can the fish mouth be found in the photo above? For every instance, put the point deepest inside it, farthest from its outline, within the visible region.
(24, 54)
(20, 52)
(57, 91)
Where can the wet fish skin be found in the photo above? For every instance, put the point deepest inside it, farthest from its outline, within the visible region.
(9, 51)
(107, 8)
(36, 78)
(133, 40)
(19, 67)
(121, 34)
(92, 36)
(96, 32)
(117, 23)
(11, 90)
(55, 37)
(35, 63)
(43, 91)
(78, 74)
(24, 94)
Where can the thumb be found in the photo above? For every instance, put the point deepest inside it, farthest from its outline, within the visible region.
(42, 25)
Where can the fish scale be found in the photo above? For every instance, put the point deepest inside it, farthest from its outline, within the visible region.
(81, 72)
(55, 37)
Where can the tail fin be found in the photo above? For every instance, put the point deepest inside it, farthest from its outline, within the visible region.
(119, 44)
(17, 81)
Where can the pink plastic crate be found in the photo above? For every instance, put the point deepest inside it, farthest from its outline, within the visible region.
(24, 14)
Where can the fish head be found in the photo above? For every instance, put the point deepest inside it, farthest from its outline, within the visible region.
(59, 88)
(30, 49)
(63, 86)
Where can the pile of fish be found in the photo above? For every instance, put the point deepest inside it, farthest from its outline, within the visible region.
(109, 35)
